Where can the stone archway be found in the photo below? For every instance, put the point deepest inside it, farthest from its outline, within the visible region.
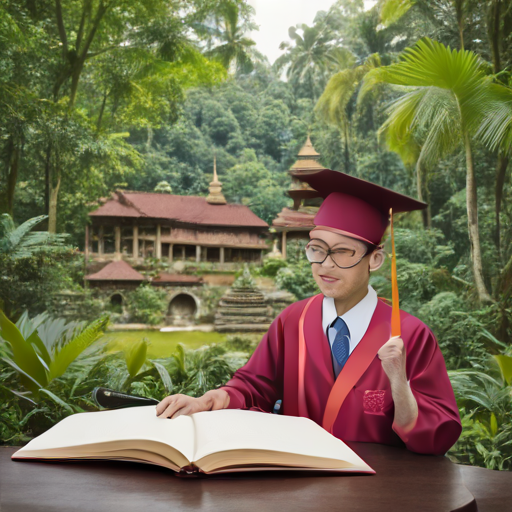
(116, 300)
(116, 303)
(182, 309)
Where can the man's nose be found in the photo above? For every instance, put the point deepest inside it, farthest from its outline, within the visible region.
(328, 262)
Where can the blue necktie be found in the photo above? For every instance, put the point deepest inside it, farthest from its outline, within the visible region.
(341, 344)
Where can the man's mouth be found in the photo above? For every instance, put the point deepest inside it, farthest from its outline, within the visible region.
(328, 279)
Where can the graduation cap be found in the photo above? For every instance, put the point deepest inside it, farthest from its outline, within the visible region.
(360, 209)
(355, 207)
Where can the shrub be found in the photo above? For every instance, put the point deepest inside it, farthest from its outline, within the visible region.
(147, 304)
(459, 334)
(297, 279)
(271, 266)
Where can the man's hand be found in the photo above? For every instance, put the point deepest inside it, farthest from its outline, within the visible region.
(175, 405)
(392, 356)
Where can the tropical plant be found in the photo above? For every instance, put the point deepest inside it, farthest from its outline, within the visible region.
(484, 398)
(233, 49)
(333, 104)
(310, 56)
(22, 242)
(135, 356)
(42, 348)
(147, 305)
(446, 101)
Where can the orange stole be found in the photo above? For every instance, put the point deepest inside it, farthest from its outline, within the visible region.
(356, 365)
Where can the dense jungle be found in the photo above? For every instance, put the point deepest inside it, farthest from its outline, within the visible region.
(100, 95)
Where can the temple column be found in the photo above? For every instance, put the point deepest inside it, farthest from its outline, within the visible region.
(171, 250)
(283, 245)
(221, 255)
(183, 253)
(135, 246)
(198, 253)
(158, 242)
(86, 248)
(100, 242)
(117, 237)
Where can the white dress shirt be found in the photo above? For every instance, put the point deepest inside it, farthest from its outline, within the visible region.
(357, 319)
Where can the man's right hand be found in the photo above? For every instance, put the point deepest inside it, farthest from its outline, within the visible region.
(175, 405)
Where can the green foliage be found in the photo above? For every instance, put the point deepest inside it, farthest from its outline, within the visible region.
(20, 242)
(136, 356)
(297, 279)
(459, 333)
(163, 187)
(271, 266)
(42, 348)
(147, 304)
(245, 280)
(484, 398)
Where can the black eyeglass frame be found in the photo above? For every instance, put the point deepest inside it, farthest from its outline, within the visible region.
(369, 249)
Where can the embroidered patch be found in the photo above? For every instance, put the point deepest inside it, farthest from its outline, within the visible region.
(373, 400)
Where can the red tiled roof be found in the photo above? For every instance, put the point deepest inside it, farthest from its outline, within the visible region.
(176, 278)
(187, 209)
(116, 271)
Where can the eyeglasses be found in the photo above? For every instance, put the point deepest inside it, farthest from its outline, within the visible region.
(342, 256)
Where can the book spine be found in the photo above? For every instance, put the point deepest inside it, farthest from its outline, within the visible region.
(189, 471)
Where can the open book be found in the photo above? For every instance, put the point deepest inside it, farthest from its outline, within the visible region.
(208, 442)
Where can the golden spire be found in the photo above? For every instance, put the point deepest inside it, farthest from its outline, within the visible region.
(215, 196)
(308, 151)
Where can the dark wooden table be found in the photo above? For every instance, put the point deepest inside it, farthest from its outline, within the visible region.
(404, 482)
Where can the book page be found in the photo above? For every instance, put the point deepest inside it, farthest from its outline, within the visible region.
(227, 430)
(104, 430)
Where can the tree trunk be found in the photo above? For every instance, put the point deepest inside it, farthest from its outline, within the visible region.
(102, 110)
(501, 172)
(419, 191)
(54, 193)
(474, 236)
(47, 173)
(493, 32)
(346, 136)
(7, 196)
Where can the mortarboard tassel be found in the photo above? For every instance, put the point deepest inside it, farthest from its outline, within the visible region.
(395, 314)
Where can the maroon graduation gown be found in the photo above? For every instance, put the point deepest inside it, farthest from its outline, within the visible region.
(368, 410)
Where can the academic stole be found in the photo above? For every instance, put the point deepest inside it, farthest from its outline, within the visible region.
(354, 368)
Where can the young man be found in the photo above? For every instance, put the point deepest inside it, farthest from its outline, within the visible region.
(330, 357)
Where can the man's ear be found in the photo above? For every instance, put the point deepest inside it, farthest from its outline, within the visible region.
(377, 259)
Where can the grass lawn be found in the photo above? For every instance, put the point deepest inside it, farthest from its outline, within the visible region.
(161, 344)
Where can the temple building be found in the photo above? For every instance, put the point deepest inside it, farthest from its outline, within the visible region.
(295, 223)
(139, 225)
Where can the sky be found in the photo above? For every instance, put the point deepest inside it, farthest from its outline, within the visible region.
(274, 17)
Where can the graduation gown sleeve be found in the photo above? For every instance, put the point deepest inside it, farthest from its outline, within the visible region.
(438, 425)
(259, 383)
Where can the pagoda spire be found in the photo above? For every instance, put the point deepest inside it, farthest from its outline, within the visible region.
(215, 196)
(307, 163)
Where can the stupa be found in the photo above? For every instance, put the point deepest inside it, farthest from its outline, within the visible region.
(243, 308)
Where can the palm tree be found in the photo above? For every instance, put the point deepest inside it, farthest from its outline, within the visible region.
(234, 49)
(496, 14)
(333, 104)
(447, 97)
(310, 56)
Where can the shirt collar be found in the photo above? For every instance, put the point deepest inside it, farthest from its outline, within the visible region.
(357, 319)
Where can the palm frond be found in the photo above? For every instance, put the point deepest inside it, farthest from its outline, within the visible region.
(392, 10)
(72, 349)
